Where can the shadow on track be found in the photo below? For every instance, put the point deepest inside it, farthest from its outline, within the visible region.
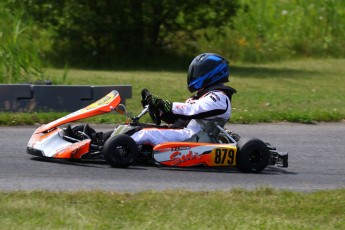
(82, 163)
(268, 171)
(141, 166)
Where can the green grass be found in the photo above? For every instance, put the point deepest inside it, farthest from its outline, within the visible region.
(305, 91)
(299, 91)
(263, 208)
(295, 91)
(273, 30)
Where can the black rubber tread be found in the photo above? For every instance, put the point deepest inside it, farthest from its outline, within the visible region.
(120, 151)
(252, 155)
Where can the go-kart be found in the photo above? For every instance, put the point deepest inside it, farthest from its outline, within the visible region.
(214, 146)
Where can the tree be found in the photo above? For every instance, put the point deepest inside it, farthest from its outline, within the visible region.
(102, 30)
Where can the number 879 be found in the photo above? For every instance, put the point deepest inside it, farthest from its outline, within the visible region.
(224, 156)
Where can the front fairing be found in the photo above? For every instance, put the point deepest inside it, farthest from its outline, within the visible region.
(48, 140)
(51, 144)
(103, 105)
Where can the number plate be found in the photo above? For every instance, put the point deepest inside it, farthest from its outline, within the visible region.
(223, 156)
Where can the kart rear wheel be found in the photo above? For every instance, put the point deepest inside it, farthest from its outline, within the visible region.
(120, 151)
(252, 155)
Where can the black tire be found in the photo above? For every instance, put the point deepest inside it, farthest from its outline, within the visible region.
(252, 155)
(120, 151)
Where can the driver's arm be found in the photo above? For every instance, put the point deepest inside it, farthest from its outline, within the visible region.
(212, 104)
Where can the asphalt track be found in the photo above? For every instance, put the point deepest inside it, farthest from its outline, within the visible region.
(316, 162)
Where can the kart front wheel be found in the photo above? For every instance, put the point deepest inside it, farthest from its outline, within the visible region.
(120, 151)
(252, 156)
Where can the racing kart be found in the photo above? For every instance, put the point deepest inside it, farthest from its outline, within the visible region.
(213, 146)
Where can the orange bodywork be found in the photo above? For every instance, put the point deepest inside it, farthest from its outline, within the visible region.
(39, 136)
(185, 154)
(72, 150)
(75, 150)
(103, 105)
(47, 140)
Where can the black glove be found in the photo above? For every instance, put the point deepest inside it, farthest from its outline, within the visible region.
(144, 95)
(147, 98)
(164, 105)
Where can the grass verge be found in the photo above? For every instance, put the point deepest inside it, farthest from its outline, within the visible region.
(305, 91)
(263, 208)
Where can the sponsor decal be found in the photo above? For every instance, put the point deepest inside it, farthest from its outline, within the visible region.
(178, 157)
(181, 106)
(180, 148)
(214, 97)
(103, 101)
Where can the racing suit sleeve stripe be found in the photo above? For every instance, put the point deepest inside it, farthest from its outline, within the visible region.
(206, 114)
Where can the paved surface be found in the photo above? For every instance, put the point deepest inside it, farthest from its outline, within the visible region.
(316, 161)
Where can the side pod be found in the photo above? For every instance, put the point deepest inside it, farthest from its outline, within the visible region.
(186, 154)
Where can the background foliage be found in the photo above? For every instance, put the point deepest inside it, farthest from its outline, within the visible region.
(122, 32)
(273, 30)
(19, 53)
(162, 34)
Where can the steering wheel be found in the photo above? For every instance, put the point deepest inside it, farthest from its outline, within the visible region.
(154, 113)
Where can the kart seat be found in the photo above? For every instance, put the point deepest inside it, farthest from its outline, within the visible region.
(209, 132)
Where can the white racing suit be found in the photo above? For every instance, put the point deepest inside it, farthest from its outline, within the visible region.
(212, 104)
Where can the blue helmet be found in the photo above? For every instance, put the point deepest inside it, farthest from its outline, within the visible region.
(206, 70)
